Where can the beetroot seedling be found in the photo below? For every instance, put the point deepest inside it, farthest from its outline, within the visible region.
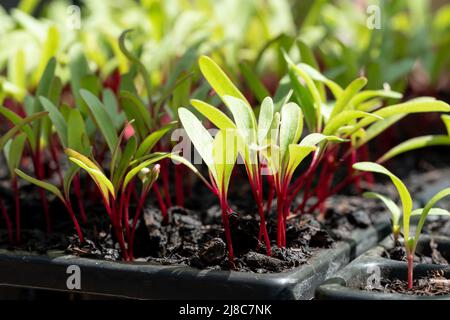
(410, 241)
(220, 155)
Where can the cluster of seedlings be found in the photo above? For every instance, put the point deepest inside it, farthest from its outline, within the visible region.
(109, 142)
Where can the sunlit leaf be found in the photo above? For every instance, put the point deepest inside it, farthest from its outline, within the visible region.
(218, 80)
(57, 120)
(414, 144)
(401, 188)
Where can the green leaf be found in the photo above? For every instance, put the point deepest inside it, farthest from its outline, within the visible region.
(244, 118)
(266, 114)
(313, 90)
(79, 69)
(413, 106)
(17, 73)
(377, 128)
(105, 186)
(224, 155)
(101, 118)
(185, 162)
(426, 210)
(77, 138)
(152, 139)
(432, 212)
(255, 85)
(200, 137)
(133, 172)
(111, 106)
(313, 139)
(291, 126)
(343, 101)
(127, 155)
(50, 49)
(304, 100)
(43, 90)
(11, 132)
(137, 62)
(57, 120)
(16, 119)
(361, 97)
(180, 93)
(296, 155)
(14, 150)
(307, 55)
(135, 109)
(116, 154)
(345, 117)
(401, 188)
(446, 119)
(218, 80)
(68, 178)
(414, 144)
(213, 114)
(391, 205)
(283, 90)
(44, 185)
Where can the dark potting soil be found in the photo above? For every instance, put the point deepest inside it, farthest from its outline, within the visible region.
(433, 285)
(196, 238)
(432, 256)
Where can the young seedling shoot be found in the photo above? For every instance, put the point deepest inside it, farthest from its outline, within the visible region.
(410, 241)
(12, 142)
(132, 160)
(270, 141)
(148, 113)
(219, 154)
(244, 125)
(355, 114)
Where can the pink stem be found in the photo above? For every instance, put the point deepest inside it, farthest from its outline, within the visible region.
(410, 259)
(74, 219)
(77, 188)
(226, 225)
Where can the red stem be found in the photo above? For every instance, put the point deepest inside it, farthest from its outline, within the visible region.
(54, 154)
(280, 222)
(179, 192)
(74, 219)
(256, 187)
(117, 226)
(77, 188)
(39, 169)
(161, 203)
(126, 218)
(226, 225)
(270, 194)
(7, 221)
(165, 181)
(410, 259)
